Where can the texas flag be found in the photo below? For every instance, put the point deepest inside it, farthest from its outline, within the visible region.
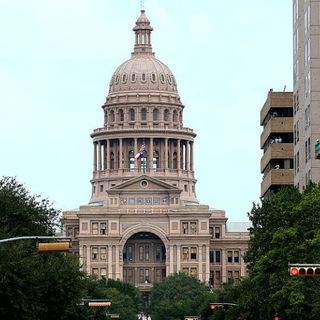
(140, 154)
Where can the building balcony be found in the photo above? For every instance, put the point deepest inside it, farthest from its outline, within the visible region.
(276, 177)
(276, 151)
(276, 125)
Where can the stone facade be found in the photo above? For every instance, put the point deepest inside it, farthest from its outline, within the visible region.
(143, 221)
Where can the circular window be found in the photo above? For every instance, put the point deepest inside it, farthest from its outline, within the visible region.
(144, 183)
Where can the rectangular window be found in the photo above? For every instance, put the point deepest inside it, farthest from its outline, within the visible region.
(193, 272)
(140, 252)
(229, 256)
(158, 254)
(130, 253)
(217, 231)
(94, 253)
(236, 256)
(95, 271)
(229, 275)
(140, 201)
(141, 275)
(94, 227)
(217, 279)
(217, 254)
(70, 232)
(103, 254)
(236, 275)
(103, 228)
(146, 252)
(148, 201)
(211, 232)
(156, 201)
(193, 227)
(103, 272)
(185, 228)
(131, 200)
(193, 254)
(185, 253)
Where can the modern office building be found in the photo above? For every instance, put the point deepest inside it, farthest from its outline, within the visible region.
(143, 221)
(306, 90)
(276, 141)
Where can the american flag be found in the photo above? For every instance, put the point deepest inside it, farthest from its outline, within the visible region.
(140, 154)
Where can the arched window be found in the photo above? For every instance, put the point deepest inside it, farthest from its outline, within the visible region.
(132, 115)
(112, 116)
(166, 115)
(175, 116)
(121, 115)
(155, 115)
(143, 77)
(111, 160)
(133, 77)
(144, 114)
(153, 77)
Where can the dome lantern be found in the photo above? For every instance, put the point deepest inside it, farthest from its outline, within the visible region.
(142, 30)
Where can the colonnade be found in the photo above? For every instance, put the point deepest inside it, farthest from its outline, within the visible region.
(113, 154)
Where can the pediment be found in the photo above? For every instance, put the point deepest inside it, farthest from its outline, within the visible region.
(144, 184)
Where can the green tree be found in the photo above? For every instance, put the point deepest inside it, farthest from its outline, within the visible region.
(285, 229)
(33, 285)
(126, 299)
(176, 296)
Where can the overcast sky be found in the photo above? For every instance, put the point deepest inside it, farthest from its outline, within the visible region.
(57, 58)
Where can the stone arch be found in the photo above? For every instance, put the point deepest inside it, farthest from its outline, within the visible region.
(144, 228)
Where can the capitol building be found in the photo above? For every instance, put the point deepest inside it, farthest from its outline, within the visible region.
(143, 221)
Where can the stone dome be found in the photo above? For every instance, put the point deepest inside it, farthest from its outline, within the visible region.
(142, 72)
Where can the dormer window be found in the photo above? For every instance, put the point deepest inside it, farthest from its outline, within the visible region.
(162, 78)
(124, 78)
(153, 77)
(133, 77)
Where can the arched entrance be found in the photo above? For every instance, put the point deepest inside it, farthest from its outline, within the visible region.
(144, 260)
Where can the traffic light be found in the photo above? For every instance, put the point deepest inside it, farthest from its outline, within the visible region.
(317, 149)
(304, 270)
(214, 306)
(53, 246)
(99, 304)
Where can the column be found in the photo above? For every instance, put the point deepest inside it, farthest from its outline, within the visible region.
(110, 261)
(94, 156)
(224, 266)
(150, 158)
(191, 156)
(207, 264)
(178, 257)
(108, 154)
(88, 260)
(187, 155)
(135, 151)
(120, 153)
(99, 156)
(242, 265)
(165, 153)
(117, 262)
(200, 276)
(178, 153)
(171, 259)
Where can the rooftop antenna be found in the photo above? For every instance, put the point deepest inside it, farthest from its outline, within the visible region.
(142, 5)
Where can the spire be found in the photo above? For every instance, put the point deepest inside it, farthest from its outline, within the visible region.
(142, 30)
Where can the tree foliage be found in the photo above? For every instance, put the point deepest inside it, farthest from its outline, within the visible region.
(285, 229)
(177, 296)
(33, 285)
